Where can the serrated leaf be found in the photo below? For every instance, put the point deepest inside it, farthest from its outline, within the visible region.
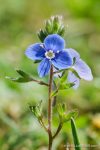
(75, 135)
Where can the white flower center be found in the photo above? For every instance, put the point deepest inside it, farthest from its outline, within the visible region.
(49, 54)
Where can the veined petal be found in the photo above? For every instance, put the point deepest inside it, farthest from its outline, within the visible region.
(83, 70)
(54, 42)
(35, 52)
(73, 53)
(62, 60)
(73, 79)
(44, 67)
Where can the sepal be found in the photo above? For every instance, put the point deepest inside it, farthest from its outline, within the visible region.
(42, 35)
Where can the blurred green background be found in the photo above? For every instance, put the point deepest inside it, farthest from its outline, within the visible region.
(19, 22)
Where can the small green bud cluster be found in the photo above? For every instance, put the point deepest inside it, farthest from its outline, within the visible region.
(52, 26)
(36, 110)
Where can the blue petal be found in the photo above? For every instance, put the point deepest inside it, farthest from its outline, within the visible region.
(73, 79)
(73, 53)
(44, 67)
(54, 42)
(62, 60)
(35, 52)
(83, 70)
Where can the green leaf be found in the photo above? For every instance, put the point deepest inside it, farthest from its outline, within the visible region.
(75, 73)
(63, 115)
(54, 93)
(75, 136)
(64, 77)
(64, 86)
(24, 77)
(64, 107)
(69, 115)
(54, 85)
(20, 79)
(22, 73)
(61, 108)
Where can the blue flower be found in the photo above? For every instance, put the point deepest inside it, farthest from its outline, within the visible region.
(51, 52)
(80, 67)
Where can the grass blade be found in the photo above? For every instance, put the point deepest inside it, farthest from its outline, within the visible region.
(75, 136)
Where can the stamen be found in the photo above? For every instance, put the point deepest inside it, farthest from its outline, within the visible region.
(49, 54)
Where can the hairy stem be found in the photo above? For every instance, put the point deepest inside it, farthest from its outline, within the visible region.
(50, 109)
(40, 82)
(58, 130)
(43, 125)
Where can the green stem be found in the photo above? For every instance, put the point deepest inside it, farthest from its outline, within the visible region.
(50, 109)
(43, 125)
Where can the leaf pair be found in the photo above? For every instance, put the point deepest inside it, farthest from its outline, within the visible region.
(66, 116)
(63, 86)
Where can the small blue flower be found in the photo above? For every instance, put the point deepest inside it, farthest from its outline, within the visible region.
(82, 69)
(51, 52)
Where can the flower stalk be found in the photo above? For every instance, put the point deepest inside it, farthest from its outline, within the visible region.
(58, 130)
(50, 109)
